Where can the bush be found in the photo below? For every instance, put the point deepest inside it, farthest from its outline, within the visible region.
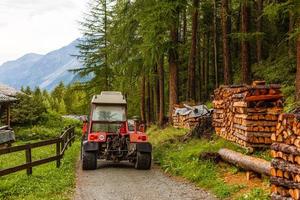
(28, 111)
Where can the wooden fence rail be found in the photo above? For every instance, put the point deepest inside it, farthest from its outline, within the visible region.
(66, 139)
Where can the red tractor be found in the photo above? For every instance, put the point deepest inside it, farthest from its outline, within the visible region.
(108, 136)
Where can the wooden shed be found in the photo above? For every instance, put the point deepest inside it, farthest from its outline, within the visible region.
(7, 97)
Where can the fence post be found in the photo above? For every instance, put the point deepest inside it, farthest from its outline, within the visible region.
(62, 144)
(58, 153)
(28, 159)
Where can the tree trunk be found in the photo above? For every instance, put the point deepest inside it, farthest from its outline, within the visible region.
(246, 162)
(161, 75)
(173, 65)
(143, 115)
(184, 26)
(246, 71)
(148, 103)
(193, 52)
(259, 9)
(226, 44)
(206, 66)
(215, 45)
(298, 64)
(291, 28)
(156, 93)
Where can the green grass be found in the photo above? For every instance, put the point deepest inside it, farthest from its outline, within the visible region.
(182, 159)
(46, 182)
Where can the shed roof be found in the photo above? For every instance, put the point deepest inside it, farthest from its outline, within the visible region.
(4, 98)
(8, 91)
(109, 97)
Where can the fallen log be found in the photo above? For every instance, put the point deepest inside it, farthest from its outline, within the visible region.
(246, 162)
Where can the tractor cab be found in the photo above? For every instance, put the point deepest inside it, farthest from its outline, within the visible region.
(109, 136)
(108, 114)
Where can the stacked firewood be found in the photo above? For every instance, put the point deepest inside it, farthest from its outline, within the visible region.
(246, 114)
(285, 150)
(185, 116)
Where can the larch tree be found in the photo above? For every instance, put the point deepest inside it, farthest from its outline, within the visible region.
(245, 46)
(259, 18)
(93, 46)
(173, 61)
(225, 25)
(193, 53)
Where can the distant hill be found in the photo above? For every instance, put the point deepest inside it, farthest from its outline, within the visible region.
(45, 71)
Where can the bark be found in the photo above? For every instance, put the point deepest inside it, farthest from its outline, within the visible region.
(298, 65)
(156, 93)
(279, 197)
(173, 65)
(152, 99)
(215, 45)
(161, 78)
(225, 23)
(184, 26)
(286, 148)
(148, 103)
(246, 71)
(285, 166)
(143, 116)
(284, 182)
(259, 4)
(206, 67)
(246, 162)
(193, 53)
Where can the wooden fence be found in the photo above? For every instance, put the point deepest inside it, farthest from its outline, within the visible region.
(66, 139)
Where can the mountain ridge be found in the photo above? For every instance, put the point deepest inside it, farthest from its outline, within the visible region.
(44, 71)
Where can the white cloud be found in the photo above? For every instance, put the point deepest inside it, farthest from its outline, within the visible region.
(37, 26)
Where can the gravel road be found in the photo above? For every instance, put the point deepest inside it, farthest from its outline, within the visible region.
(120, 181)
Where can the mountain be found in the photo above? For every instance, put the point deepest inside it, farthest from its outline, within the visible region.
(45, 71)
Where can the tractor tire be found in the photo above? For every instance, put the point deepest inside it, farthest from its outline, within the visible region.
(143, 161)
(89, 160)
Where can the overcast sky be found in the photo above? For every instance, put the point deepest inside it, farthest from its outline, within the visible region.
(37, 26)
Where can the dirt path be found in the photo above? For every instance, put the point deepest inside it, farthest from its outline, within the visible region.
(122, 182)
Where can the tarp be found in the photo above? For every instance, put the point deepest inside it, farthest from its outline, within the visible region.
(7, 136)
(193, 111)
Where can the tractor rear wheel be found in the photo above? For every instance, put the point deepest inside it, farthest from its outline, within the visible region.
(89, 160)
(143, 160)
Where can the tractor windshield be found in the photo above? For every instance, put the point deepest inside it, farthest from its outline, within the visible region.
(109, 113)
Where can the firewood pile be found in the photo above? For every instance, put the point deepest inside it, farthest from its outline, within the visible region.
(247, 115)
(185, 116)
(285, 150)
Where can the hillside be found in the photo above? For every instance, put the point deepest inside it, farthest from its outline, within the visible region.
(45, 71)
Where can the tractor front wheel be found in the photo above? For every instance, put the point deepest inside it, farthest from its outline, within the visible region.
(143, 161)
(89, 160)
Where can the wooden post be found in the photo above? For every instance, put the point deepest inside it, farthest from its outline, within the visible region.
(28, 159)
(58, 153)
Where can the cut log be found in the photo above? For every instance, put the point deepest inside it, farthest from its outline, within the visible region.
(284, 182)
(285, 166)
(286, 148)
(279, 197)
(246, 162)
